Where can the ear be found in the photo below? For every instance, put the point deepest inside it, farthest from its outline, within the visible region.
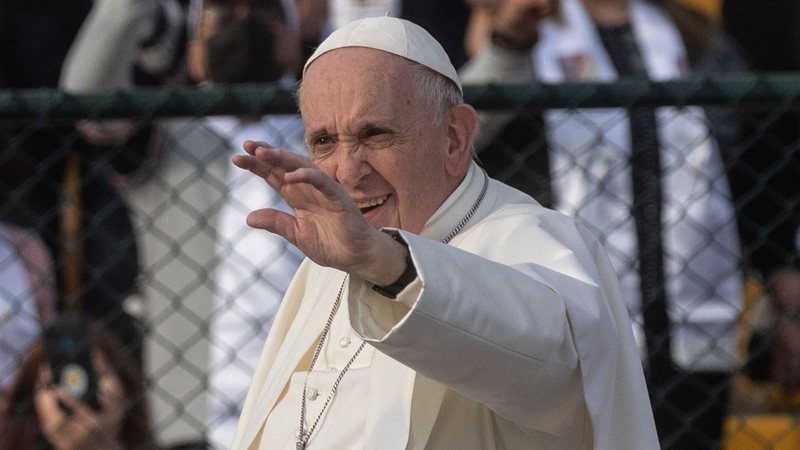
(461, 129)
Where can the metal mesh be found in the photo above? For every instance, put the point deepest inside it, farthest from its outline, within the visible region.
(148, 235)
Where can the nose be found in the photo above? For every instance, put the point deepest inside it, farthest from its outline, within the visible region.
(351, 165)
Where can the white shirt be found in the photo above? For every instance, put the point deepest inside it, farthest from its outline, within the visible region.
(512, 336)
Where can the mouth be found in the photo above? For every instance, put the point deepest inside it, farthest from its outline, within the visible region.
(371, 204)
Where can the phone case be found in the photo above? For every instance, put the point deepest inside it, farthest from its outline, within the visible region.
(68, 351)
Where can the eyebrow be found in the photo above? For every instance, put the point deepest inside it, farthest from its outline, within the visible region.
(373, 127)
(362, 129)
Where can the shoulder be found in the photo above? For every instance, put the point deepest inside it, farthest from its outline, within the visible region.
(518, 224)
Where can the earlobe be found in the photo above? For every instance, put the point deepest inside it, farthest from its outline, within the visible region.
(461, 130)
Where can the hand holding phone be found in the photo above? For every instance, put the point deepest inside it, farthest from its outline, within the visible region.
(70, 424)
(68, 349)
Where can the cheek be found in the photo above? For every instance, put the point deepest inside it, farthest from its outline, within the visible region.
(410, 181)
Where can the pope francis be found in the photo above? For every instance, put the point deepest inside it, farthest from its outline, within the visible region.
(437, 308)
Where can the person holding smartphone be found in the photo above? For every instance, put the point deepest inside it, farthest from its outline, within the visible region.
(43, 411)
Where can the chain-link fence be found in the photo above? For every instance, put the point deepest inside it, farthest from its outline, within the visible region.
(125, 206)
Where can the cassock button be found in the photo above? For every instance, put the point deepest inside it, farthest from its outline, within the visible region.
(312, 394)
(344, 342)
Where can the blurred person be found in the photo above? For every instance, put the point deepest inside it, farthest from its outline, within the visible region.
(27, 297)
(649, 182)
(190, 195)
(437, 308)
(445, 20)
(764, 178)
(42, 415)
(35, 36)
(95, 260)
(318, 18)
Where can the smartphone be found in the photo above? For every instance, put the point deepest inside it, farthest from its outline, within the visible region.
(67, 346)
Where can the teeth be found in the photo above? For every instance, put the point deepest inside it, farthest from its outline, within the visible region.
(372, 202)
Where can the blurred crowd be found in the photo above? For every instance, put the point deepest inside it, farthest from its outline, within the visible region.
(139, 225)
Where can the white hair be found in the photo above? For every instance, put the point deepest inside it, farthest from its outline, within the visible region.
(436, 89)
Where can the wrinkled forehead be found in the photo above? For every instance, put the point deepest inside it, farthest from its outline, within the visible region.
(356, 85)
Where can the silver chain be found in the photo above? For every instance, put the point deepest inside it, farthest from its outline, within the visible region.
(303, 436)
(469, 214)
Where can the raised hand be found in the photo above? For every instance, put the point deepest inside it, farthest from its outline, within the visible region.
(327, 226)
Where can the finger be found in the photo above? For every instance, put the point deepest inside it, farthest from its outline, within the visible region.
(274, 221)
(250, 146)
(110, 396)
(270, 163)
(319, 181)
(285, 160)
(50, 414)
(251, 163)
(79, 409)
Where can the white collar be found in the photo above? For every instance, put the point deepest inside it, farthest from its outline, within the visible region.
(456, 206)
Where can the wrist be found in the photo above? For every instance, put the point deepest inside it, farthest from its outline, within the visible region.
(408, 275)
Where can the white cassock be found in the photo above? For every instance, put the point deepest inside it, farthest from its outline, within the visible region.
(512, 336)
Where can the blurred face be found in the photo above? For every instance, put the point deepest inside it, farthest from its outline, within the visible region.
(368, 131)
(240, 54)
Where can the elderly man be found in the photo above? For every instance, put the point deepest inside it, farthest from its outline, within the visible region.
(438, 308)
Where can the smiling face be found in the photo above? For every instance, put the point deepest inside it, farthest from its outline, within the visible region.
(368, 129)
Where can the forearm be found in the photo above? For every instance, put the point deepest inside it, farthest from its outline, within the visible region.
(102, 56)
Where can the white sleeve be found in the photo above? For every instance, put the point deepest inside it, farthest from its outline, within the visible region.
(102, 56)
(468, 332)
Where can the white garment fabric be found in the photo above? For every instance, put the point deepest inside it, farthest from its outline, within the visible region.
(253, 271)
(513, 336)
(109, 23)
(20, 325)
(590, 169)
(281, 429)
(342, 12)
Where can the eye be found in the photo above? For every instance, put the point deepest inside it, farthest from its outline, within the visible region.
(321, 145)
(321, 140)
(376, 136)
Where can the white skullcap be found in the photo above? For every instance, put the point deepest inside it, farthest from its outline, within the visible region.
(392, 35)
